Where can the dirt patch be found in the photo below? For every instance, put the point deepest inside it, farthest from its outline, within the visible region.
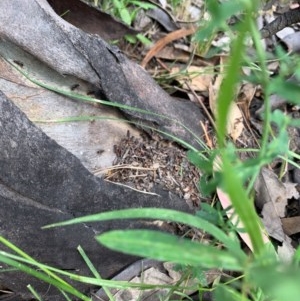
(141, 162)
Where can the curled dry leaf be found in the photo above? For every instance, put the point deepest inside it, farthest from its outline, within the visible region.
(91, 19)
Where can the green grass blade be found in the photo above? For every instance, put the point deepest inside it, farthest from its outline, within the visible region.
(92, 118)
(30, 259)
(84, 279)
(162, 214)
(227, 92)
(34, 293)
(42, 276)
(105, 102)
(167, 247)
(125, 284)
(244, 207)
(65, 295)
(94, 271)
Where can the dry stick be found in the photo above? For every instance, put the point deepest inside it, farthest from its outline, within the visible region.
(134, 189)
(202, 105)
(159, 45)
(123, 166)
(208, 140)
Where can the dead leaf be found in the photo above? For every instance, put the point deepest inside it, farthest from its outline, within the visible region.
(272, 196)
(291, 225)
(272, 222)
(156, 274)
(269, 189)
(235, 123)
(173, 52)
(292, 42)
(286, 250)
(197, 78)
(245, 97)
(291, 190)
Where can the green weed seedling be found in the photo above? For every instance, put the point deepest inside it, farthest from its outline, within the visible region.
(126, 11)
(256, 276)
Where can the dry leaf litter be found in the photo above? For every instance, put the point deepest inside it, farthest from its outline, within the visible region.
(142, 162)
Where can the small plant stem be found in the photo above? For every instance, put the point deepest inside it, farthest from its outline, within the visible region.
(231, 182)
(265, 84)
(227, 90)
(114, 104)
(26, 256)
(94, 271)
(34, 292)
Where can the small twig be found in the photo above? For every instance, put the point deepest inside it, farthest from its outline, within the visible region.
(208, 140)
(123, 166)
(127, 186)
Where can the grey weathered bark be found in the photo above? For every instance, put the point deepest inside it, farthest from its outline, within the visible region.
(71, 51)
(42, 183)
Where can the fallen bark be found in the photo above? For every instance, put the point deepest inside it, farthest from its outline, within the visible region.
(70, 51)
(42, 183)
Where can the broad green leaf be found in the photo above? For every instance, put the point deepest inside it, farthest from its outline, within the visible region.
(142, 4)
(220, 13)
(197, 159)
(143, 39)
(123, 11)
(167, 247)
(131, 38)
(288, 90)
(278, 282)
(242, 205)
(227, 293)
